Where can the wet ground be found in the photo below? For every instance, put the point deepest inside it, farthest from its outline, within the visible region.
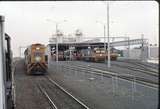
(103, 92)
(97, 92)
(28, 95)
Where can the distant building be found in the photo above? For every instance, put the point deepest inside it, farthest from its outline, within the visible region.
(59, 36)
(136, 53)
(77, 37)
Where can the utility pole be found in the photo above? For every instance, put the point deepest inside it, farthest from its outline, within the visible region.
(148, 50)
(56, 42)
(142, 49)
(128, 48)
(109, 64)
(104, 37)
(70, 53)
(56, 36)
(105, 41)
(20, 50)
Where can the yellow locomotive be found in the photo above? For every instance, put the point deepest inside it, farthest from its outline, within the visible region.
(96, 55)
(36, 59)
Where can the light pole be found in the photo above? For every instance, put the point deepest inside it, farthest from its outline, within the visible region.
(109, 64)
(20, 50)
(148, 50)
(56, 36)
(56, 42)
(108, 42)
(128, 48)
(104, 36)
(142, 48)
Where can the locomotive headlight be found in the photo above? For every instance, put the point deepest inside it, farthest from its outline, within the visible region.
(37, 59)
(37, 48)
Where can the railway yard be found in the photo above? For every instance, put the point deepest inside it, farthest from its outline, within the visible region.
(56, 55)
(128, 84)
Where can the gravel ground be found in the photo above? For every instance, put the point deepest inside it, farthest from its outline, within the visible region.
(115, 69)
(61, 99)
(28, 95)
(100, 92)
(145, 65)
(97, 92)
(149, 64)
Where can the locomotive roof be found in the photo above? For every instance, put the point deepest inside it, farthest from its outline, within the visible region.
(37, 44)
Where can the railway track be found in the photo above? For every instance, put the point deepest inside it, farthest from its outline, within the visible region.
(134, 66)
(52, 104)
(58, 97)
(142, 65)
(99, 72)
(146, 71)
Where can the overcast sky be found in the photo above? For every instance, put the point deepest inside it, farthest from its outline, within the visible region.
(26, 22)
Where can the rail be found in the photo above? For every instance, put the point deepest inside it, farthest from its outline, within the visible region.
(139, 80)
(53, 106)
(65, 91)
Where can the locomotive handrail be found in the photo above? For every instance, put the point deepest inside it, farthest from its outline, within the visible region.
(13, 83)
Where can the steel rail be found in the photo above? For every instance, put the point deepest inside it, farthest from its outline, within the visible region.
(106, 73)
(53, 106)
(138, 69)
(147, 71)
(148, 67)
(143, 70)
(140, 64)
(65, 91)
(112, 72)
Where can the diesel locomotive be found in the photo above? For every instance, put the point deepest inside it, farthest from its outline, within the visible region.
(36, 59)
(96, 55)
(60, 55)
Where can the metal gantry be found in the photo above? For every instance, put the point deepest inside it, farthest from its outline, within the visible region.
(130, 42)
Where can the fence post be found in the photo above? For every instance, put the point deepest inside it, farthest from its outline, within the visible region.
(133, 87)
(113, 85)
(116, 81)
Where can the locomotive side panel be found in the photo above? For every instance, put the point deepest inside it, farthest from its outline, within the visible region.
(96, 55)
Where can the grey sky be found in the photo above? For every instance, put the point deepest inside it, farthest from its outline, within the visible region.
(26, 21)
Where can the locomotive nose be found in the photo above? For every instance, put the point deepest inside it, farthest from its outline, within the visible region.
(37, 59)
